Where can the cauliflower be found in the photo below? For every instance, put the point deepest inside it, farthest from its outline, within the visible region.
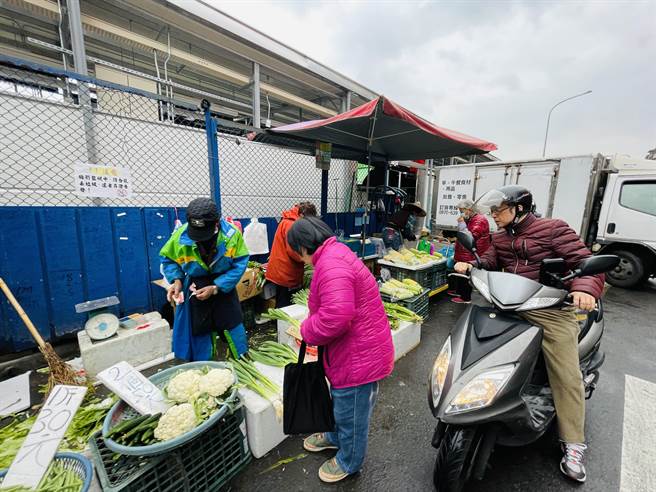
(205, 405)
(176, 421)
(216, 382)
(184, 387)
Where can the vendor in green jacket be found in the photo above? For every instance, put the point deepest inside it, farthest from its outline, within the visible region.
(203, 261)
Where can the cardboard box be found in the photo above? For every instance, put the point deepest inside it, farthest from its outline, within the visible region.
(247, 286)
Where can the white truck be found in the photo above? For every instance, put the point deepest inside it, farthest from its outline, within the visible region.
(609, 200)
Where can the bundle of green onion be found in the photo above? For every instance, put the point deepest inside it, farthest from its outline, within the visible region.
(279, 314)
(273, 354)
(301, 297)
(401, 313)
(254, 380)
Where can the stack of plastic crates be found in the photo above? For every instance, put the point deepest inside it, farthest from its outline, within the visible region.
(440, 276)
(420, 304)
(206, 463)
(424, 277)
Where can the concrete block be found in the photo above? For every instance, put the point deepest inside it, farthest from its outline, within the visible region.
(131, 345)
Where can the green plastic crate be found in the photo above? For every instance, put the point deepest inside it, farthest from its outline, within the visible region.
(206, 463)
(420, 304)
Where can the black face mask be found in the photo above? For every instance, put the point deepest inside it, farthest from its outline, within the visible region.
(207, 249)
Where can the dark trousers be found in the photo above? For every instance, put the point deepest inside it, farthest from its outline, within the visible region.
(284, 296)
(461, 286)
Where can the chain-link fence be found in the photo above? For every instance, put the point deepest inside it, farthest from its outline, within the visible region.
(51, 121)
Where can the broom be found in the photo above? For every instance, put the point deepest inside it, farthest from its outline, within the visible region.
(60, 371)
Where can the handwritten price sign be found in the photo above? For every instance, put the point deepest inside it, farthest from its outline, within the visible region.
(41, 444)
(134, 388)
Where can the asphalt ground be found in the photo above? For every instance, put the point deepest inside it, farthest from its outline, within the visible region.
(400, 456)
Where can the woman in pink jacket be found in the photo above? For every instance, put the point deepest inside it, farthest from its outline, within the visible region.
(348, 319)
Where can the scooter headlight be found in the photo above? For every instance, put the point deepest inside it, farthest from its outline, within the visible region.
(539, 303)
(481, 287)
(481, 391)
(440, 368)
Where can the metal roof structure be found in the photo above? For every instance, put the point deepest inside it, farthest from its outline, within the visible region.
(188, 42)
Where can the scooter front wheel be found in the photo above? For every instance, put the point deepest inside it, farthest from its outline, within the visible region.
(454, 460)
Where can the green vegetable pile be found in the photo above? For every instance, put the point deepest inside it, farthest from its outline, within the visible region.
(261, 278)
(88, 420)
(58, 478)
(138, 431)
(401, 290)
(307, 276)
(273, 354)
(396, 313)
(301, 297)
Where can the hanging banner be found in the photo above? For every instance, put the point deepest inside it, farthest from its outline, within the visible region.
(323, 154)
(96, 181)
(454, 184)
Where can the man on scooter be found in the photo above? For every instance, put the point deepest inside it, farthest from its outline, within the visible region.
(520, 248)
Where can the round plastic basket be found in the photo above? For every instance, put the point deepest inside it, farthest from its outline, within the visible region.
(121, 411)
(72, 461)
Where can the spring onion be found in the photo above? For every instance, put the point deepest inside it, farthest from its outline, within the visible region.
(254, 380)
(273, 354)
(301, 297)
(401, 313)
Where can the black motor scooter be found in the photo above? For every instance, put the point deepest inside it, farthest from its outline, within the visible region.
(488, 384)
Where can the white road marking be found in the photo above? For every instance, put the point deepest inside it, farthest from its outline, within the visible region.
(639, 436)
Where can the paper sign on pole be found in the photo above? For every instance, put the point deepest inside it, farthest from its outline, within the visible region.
(40, 445)
(454, 184)
(96, 181)
(134, 388)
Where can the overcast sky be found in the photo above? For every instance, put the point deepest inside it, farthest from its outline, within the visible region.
(490, 69)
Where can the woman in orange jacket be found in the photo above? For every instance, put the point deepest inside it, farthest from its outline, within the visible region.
(285, 267)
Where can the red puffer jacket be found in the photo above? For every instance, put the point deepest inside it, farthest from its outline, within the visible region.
(480, 229)
(534, 240)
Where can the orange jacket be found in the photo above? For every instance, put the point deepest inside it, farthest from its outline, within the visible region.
(285, 266)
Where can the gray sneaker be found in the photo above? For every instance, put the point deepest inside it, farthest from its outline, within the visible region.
(572, 463)
(317, 443)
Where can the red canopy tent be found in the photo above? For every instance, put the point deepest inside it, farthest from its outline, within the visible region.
(384, 130)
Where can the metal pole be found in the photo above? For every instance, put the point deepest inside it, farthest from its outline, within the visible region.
(546, 132)
(429, 201)
(365, 218)
(212, 154)
(346, 102)
(77, 36)
(324, 196)
(387, 171)
(256, 95)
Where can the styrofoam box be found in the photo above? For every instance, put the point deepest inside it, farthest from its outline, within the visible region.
(131, 345)
(263, 429)
(405, 338)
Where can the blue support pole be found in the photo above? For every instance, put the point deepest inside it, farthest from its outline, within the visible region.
(324, 194)
(212, 154)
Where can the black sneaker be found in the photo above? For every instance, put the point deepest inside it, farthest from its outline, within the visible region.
(572, 463)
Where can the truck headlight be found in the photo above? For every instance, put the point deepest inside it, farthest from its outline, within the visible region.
(440, 368)
(481, 391)
(481, 287)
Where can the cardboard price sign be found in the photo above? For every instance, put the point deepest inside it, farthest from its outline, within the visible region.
(40, 445)
(134, 388)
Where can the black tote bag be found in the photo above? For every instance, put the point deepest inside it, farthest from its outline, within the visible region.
(307, 405)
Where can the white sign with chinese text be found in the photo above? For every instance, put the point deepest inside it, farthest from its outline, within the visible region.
(102, 181)
(454, 184)
(134, 388)
(40, 445)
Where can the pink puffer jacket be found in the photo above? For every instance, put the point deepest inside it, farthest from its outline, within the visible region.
(347, 317)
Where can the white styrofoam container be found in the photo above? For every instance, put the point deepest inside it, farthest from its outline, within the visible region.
(299, 313)
(405, 338)
(263, 429)
(131, 345)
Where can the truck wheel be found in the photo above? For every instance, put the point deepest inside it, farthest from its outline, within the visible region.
(629, 273)
(455, 458)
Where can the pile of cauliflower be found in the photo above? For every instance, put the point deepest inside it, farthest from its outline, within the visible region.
(195, 393)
